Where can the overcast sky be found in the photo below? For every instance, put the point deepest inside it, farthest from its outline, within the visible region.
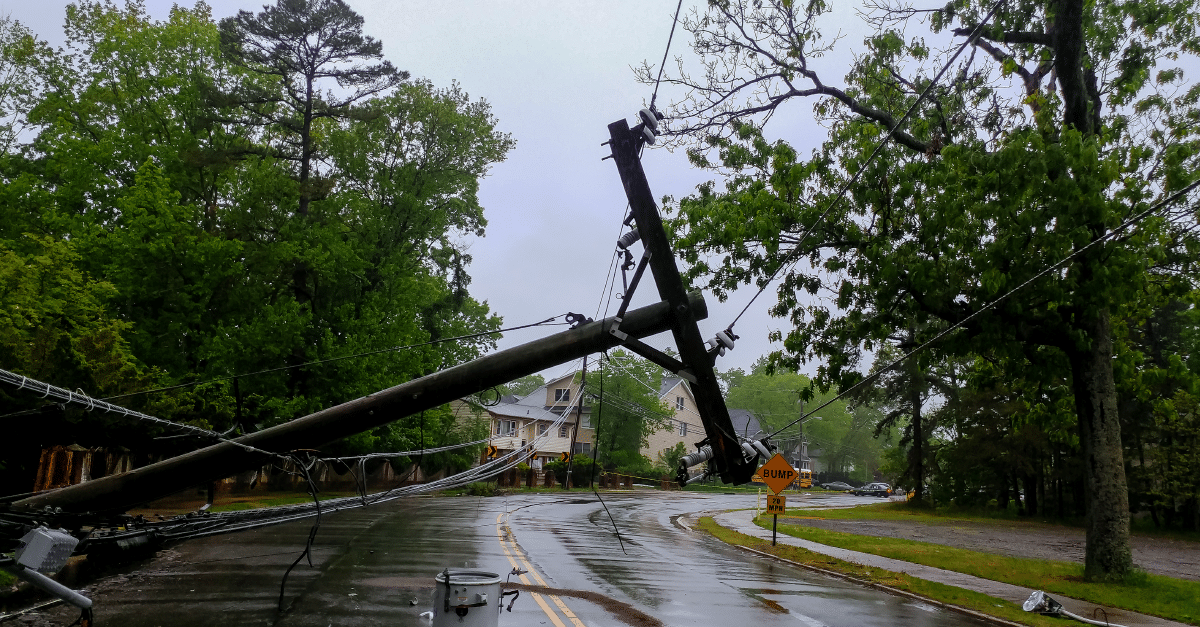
(556, 74)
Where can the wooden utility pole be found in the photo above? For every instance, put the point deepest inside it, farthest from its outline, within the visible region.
(728, 458)
(578, 417)
(118, 493)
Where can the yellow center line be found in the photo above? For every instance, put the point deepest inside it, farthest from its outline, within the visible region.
(541, 582)
(557, 601)
(536, 597)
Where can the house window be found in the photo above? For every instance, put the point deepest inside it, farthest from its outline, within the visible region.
(506, 427)
(542, 429)
(564, 431)
(683, 428)
(679, 403)
(562, 395)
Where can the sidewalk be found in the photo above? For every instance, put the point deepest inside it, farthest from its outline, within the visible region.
(742, 521)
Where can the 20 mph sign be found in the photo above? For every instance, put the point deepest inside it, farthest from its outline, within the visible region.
(777, 473)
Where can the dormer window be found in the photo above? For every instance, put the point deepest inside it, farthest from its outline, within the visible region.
(562, 395)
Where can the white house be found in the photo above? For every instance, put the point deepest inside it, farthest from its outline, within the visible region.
(519, 422)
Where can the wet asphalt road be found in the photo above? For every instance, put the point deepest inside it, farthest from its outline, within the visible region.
(371, 565)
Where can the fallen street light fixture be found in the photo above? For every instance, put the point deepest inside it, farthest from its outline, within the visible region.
(1042, 603)
(47, 550)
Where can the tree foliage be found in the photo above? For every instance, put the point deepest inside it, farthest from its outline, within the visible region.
(1064, 120)
(842, 433)
(148, 224)
(626, 410)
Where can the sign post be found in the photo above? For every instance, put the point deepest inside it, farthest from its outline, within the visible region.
(776, 505)
(777, 474)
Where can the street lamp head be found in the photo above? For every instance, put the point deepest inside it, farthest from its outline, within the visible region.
(1041, 603)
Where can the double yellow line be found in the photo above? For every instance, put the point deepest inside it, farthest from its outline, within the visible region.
(515, 555)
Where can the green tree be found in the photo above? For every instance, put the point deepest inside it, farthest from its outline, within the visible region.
(626, 410)
(1158, 410)
(299, 46)
(840, 432)
(981, 189)
(524, 385)
(184, 212)
(668, 458)
(19, 51)
(55, 325)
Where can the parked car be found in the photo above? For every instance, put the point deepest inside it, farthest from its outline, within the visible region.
(874, 489)
(840, 486)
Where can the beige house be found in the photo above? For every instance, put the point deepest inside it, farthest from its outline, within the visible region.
(685, 425)
(520, 422)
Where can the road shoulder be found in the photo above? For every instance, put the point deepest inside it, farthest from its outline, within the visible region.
(743, 522)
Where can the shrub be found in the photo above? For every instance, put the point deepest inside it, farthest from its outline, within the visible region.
(480, 488)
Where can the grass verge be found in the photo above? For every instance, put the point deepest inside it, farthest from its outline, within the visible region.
(1175, 599)
(888, 510)
(942, 593)
(906, 512)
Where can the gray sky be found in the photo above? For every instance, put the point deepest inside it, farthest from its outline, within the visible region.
(556, 74)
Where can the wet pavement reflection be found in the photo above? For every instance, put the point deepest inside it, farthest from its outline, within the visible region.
(376, 566)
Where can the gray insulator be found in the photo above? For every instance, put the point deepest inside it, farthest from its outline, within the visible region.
(648, 134)
(649, 119)
(699, 457)
(628, 239)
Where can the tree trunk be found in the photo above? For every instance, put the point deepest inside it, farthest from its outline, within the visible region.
(1031, 494)
(1016, 490)
(916, 461)
(1107, 556)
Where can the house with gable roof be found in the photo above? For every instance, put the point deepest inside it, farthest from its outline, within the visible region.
(533, 421)
(685, 425)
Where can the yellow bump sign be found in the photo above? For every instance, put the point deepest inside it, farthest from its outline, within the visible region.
(777, 473)
(776, 504)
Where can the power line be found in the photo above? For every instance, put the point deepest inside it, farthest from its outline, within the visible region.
(664, 60)
(1103, 238)
(424, 451)
(841, 193)
(52, 391)
(547, 321)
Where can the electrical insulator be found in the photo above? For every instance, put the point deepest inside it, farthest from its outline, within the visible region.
(699, 457)
(723, 340)
(628, 239)
(649, 119)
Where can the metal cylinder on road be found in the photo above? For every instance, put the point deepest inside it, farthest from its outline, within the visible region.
(466, 598)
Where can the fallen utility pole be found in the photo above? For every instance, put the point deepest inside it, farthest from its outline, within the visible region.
(118, 493)
(728, 457)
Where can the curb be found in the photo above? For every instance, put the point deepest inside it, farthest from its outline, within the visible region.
(904, 593)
